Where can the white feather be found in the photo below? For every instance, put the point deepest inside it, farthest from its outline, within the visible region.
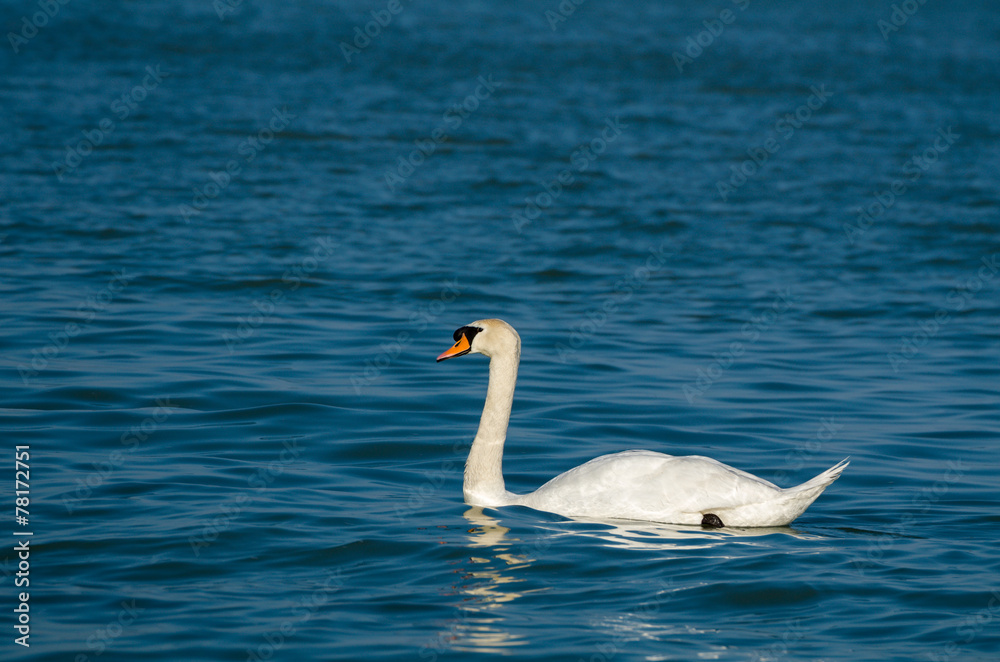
(636, 484)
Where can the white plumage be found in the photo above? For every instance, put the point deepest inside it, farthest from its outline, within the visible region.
(636, 484)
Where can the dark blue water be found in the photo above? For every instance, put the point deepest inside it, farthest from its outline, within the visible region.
(234, 236)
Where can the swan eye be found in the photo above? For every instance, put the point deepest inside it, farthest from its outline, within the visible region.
(468, 331)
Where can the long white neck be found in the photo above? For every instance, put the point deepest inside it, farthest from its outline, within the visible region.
(484, 484)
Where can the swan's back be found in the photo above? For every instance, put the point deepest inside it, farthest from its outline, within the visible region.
(680, 490)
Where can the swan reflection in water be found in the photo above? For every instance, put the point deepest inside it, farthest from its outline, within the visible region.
(494, 574)
(487, 583)
(629, 534)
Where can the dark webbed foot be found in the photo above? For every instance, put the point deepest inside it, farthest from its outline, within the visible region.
(710, 521)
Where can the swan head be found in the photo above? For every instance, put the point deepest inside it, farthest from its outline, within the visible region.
(486, 337)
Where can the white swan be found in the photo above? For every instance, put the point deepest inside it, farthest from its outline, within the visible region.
(636, 485)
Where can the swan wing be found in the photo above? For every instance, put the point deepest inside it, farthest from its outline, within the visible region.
(651, 486)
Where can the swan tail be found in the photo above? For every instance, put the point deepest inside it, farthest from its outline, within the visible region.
(797, 499)
(779, 510)
(820, 482)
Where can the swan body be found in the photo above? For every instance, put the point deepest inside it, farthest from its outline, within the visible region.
(635, 484)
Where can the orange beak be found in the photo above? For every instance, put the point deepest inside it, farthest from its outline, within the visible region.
(460, 348)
